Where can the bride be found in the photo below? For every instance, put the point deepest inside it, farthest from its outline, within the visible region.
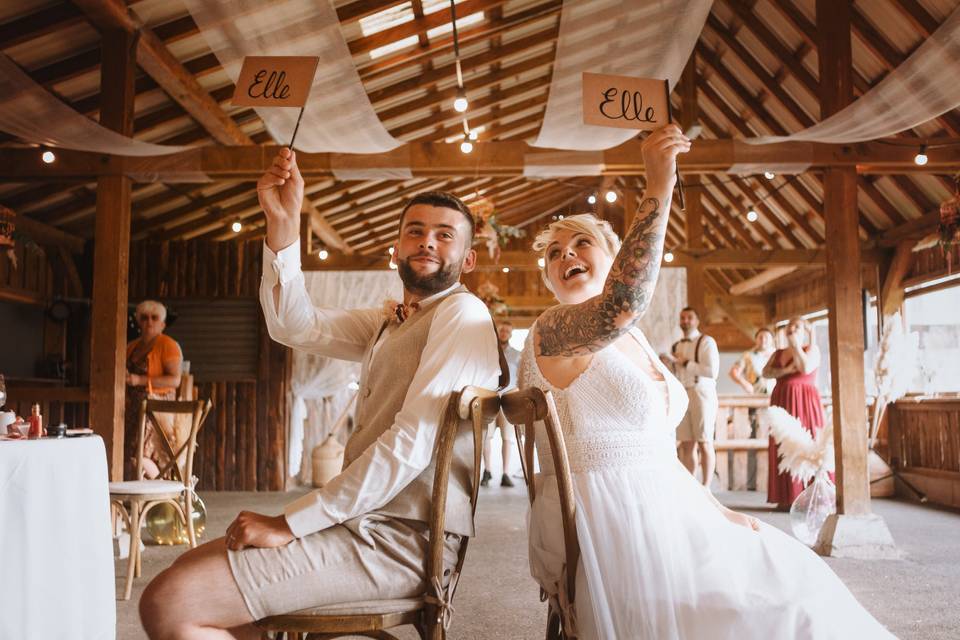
(660, 557)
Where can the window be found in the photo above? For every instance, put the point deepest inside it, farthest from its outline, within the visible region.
(933, 317)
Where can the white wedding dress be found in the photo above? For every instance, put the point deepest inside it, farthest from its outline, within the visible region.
(658, 559)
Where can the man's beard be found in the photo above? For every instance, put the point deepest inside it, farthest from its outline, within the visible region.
(441, 279)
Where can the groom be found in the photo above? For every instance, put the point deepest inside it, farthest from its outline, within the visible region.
(363, 536)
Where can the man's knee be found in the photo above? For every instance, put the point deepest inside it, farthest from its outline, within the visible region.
(152, 602)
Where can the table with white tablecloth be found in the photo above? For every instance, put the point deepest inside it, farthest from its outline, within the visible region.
(56, 551)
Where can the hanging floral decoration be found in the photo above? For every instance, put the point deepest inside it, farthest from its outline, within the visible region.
(488, 231)
(490, 294)
(950, 223)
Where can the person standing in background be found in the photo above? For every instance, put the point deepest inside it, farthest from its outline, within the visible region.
(795, 369)
(747, 373)
(507, 434)
(695, 360)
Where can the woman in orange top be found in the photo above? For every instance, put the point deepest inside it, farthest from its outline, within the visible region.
(154, 361)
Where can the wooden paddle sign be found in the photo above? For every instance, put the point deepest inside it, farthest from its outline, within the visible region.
(275, 81)
(624, 102)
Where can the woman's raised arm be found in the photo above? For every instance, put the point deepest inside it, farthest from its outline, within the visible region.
(579, 329)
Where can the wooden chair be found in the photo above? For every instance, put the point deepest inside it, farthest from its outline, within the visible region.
(524, 408)
(133, 499)
(472, 408)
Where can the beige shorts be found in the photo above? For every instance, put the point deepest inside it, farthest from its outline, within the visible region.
(507, 432)
(700, 421)
(372, 557)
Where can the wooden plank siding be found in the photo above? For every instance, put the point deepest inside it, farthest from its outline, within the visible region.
(925, 447)
(242, 446)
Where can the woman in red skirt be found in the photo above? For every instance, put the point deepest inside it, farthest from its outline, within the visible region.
(795, 369)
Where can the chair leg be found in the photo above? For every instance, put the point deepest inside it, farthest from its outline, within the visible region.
(134, 547)
(188, 514)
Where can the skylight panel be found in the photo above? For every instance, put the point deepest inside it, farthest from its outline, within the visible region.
(386, 19)
(465, 21)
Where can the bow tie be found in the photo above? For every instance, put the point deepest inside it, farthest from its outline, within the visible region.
(404, 311)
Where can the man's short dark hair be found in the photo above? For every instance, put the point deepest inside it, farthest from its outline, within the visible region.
(441, 199)
(691, 310)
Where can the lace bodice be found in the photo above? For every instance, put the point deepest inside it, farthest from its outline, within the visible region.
(612, 414)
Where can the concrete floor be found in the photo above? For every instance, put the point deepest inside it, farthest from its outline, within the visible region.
(916, 597)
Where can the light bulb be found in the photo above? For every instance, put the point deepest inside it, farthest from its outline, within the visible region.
(236, 227)
(466, 146)
(324, 254)
(560, 217)
(48, 157)
(390, 250)
(460, 103)
(591, 199)
(474, 135)
(506, 269)
(752, 215)
(668, 256)
(353, 385)
(541, 263)
(610, 196)
(769, 175)
(921, 158)
(392, 265)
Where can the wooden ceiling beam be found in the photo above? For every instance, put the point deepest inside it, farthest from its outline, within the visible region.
(38, 24)
(157, 61)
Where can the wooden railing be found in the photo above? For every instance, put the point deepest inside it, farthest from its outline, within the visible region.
(924, 446)
(58, 404)
(740, 456)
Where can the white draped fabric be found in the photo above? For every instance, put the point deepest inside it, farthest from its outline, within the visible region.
(659, 323)
(922, 88)
(319, 386)
(641, 38)
(30, 112)
(339, 116)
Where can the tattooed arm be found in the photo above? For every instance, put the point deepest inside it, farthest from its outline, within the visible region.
(580, 329)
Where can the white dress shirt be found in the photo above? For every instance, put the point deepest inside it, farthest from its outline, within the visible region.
(704, 372)
(461, 350)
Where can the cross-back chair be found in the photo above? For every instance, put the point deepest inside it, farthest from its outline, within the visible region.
(430, 613)
(524, 408)
(133, 499)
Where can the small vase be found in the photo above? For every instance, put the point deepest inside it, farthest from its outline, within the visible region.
(811, 508)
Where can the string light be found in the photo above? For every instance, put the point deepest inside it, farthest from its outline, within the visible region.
(752, 215)
(392, 265)
(473, 135)
(236, 227)
(668, 256)
(48, 156)
(466, 146)
(921, 158)
(460, 103)
(324, 254)
(541, 263)
(769, 175)
(610, 196)
(506, 269)
(591, 199)
(390, 250)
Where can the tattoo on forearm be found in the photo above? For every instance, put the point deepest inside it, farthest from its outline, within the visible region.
(574, 330)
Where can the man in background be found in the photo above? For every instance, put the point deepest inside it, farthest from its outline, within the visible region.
(507, 434)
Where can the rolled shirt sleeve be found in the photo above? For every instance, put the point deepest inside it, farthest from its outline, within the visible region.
(709, 365)
(296, 322)
(461, 350)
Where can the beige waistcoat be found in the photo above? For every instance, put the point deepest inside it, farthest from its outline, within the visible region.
(384, 382)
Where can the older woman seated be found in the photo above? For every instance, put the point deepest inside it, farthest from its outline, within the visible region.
(154, 362)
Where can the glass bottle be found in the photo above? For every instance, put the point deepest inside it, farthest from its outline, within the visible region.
(36, 422)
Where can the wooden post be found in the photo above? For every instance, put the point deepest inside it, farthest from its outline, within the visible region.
(861, 534)
(689, 115)
(111, 256)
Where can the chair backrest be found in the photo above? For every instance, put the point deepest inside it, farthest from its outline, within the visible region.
(524, 408)
(198, 410)
(472, 408)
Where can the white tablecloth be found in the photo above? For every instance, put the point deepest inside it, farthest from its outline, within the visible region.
(56, 552)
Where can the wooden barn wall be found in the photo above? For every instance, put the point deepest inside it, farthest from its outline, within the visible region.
(811, 295)
(32, 281)
(932, 263)
(242, 446)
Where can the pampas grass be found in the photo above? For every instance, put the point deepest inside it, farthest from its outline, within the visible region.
(895, 368)
(801, 455)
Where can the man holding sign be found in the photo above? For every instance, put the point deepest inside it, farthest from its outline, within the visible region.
(363, 536)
